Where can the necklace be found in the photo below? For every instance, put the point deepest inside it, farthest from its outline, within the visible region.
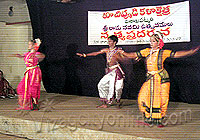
(110, 54)
(151, 59)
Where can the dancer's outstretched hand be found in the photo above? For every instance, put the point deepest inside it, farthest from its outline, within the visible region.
(16, 55)
(79, 54)
(196, 48)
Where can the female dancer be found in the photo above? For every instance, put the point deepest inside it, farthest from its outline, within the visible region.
(154, 94)
(28, 89)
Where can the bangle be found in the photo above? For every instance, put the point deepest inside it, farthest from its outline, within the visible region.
(84, 55)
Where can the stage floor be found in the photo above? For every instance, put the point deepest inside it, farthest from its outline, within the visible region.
(76, 117)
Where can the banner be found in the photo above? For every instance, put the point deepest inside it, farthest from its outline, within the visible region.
(135, 25)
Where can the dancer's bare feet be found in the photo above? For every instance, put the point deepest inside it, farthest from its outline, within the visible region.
(102, 106)
(119, 105)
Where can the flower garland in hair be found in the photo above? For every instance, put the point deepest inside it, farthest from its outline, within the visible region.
(161, 43)
(37, 44)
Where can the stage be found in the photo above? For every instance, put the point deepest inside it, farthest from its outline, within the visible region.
(70, 117)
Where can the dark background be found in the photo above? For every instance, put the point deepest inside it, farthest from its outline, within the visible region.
(63, 29)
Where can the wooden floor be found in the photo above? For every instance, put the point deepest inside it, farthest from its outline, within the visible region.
(74, 113)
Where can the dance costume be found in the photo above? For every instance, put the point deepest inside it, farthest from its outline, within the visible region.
(29, 87)
(111, 85)
(154, 94)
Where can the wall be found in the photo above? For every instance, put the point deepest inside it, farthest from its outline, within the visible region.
(14, 39)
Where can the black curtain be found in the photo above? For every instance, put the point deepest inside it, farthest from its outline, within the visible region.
(63, 28)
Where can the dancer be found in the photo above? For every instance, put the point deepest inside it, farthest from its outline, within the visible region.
(154, 94)
(5, 89)
(112, 83)
(28, 89)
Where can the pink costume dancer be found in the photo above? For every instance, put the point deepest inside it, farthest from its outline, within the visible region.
(29, 87)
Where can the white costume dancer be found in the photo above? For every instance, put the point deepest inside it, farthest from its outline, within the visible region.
(111, 85)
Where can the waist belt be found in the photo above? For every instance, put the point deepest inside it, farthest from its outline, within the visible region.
(28, 68)
(113, 67)
(155, 72)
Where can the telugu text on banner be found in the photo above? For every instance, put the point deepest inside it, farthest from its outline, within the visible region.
(135, 25)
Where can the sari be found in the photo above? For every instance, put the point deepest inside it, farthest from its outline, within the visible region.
(29, 87)
(153, 97)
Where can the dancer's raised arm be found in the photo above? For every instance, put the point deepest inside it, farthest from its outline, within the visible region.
(17, 55)
(92, 53)
(179, 54)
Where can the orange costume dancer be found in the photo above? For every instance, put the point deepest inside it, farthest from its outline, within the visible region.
(28, 89)
(153, 97)
(154, 94)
